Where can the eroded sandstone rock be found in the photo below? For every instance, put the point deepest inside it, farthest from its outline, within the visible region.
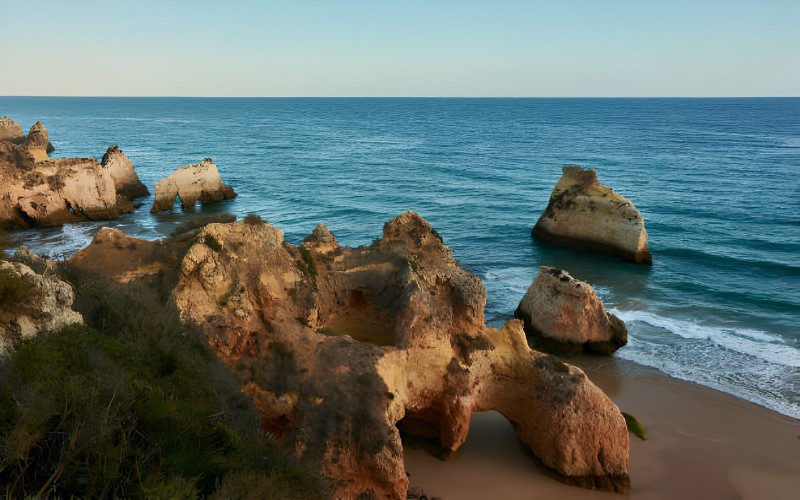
(586, 215)
(126, 181)
(191, 183)
(54, 192)
(38, 143)
(342, 347)
(11, 131)
(565, 316)
(32, 303)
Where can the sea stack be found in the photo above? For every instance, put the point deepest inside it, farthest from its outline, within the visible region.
(120, 167)
(38, 143)
(563, 315)
(586, 215)
(191, 183)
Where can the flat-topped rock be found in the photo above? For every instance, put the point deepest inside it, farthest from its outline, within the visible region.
(191, 183)
(565, 316)
(586, 215)
(11, 131)
(126, 181)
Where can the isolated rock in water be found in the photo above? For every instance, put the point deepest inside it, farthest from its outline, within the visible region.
(585, 215)
(37, 142)
(53, 192)
(32, 303)
(340, 348)
(565, 316)
(126, 181)
(191, 183)
(11, 131)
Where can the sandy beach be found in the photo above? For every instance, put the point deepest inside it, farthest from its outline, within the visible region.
(701, 443)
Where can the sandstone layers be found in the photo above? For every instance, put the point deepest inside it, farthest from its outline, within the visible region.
(39, 191)
(191, 183)
(586, 215)
(342, 348)
(565, 316)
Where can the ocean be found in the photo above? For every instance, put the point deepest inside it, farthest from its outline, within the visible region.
(717, 181)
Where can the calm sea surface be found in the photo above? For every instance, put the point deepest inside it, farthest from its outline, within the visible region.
(717, 180)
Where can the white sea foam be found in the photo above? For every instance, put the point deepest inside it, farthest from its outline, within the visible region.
(760, 344)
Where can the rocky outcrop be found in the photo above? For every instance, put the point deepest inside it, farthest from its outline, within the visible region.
(32, 303)
(191, 183)
(342, 348)
(126, 181)
(585, 215)
(38, 143)
(11, 131)
(564, 315)
(38, 191)
(53, 192)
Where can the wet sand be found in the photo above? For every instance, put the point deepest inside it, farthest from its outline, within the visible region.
(701, 443)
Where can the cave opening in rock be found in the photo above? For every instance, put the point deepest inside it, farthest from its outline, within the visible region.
(362, 320)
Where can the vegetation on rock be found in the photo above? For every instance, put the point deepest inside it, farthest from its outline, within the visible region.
(132, 405)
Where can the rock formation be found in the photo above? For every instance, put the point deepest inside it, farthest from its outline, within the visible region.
(585, 215)
(342, 348)
(11, 131)
(126, 182)
(38, 191)
(32, 302)
(563, 315)
(191, 183)
(37, 142)
(53, 192)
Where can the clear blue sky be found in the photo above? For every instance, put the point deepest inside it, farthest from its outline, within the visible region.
(400, 48)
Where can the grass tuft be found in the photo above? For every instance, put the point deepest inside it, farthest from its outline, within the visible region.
(634, 426)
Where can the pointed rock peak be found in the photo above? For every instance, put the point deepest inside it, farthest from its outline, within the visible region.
(126, 181)
(10, 130)
(410, 225)
(321, 234)
(38, 143)
(110, 153)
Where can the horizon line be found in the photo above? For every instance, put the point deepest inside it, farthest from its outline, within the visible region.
(399, 97)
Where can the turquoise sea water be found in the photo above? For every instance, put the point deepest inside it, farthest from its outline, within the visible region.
(717, 180)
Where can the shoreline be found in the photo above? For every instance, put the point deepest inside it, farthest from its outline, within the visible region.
(701, 443)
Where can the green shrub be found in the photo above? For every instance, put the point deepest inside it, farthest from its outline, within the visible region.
(14, 289)
(131, 405)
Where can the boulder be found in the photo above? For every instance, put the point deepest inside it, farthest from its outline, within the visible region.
(191, 183)
(11, 131)
(32, 303)
(585, 215)
(126, 181)
(563, 315)
(38, 143)
(53, 192)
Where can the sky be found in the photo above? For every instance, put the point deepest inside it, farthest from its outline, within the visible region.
(448, 48)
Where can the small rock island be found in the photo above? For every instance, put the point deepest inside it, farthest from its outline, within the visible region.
(586, 215)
